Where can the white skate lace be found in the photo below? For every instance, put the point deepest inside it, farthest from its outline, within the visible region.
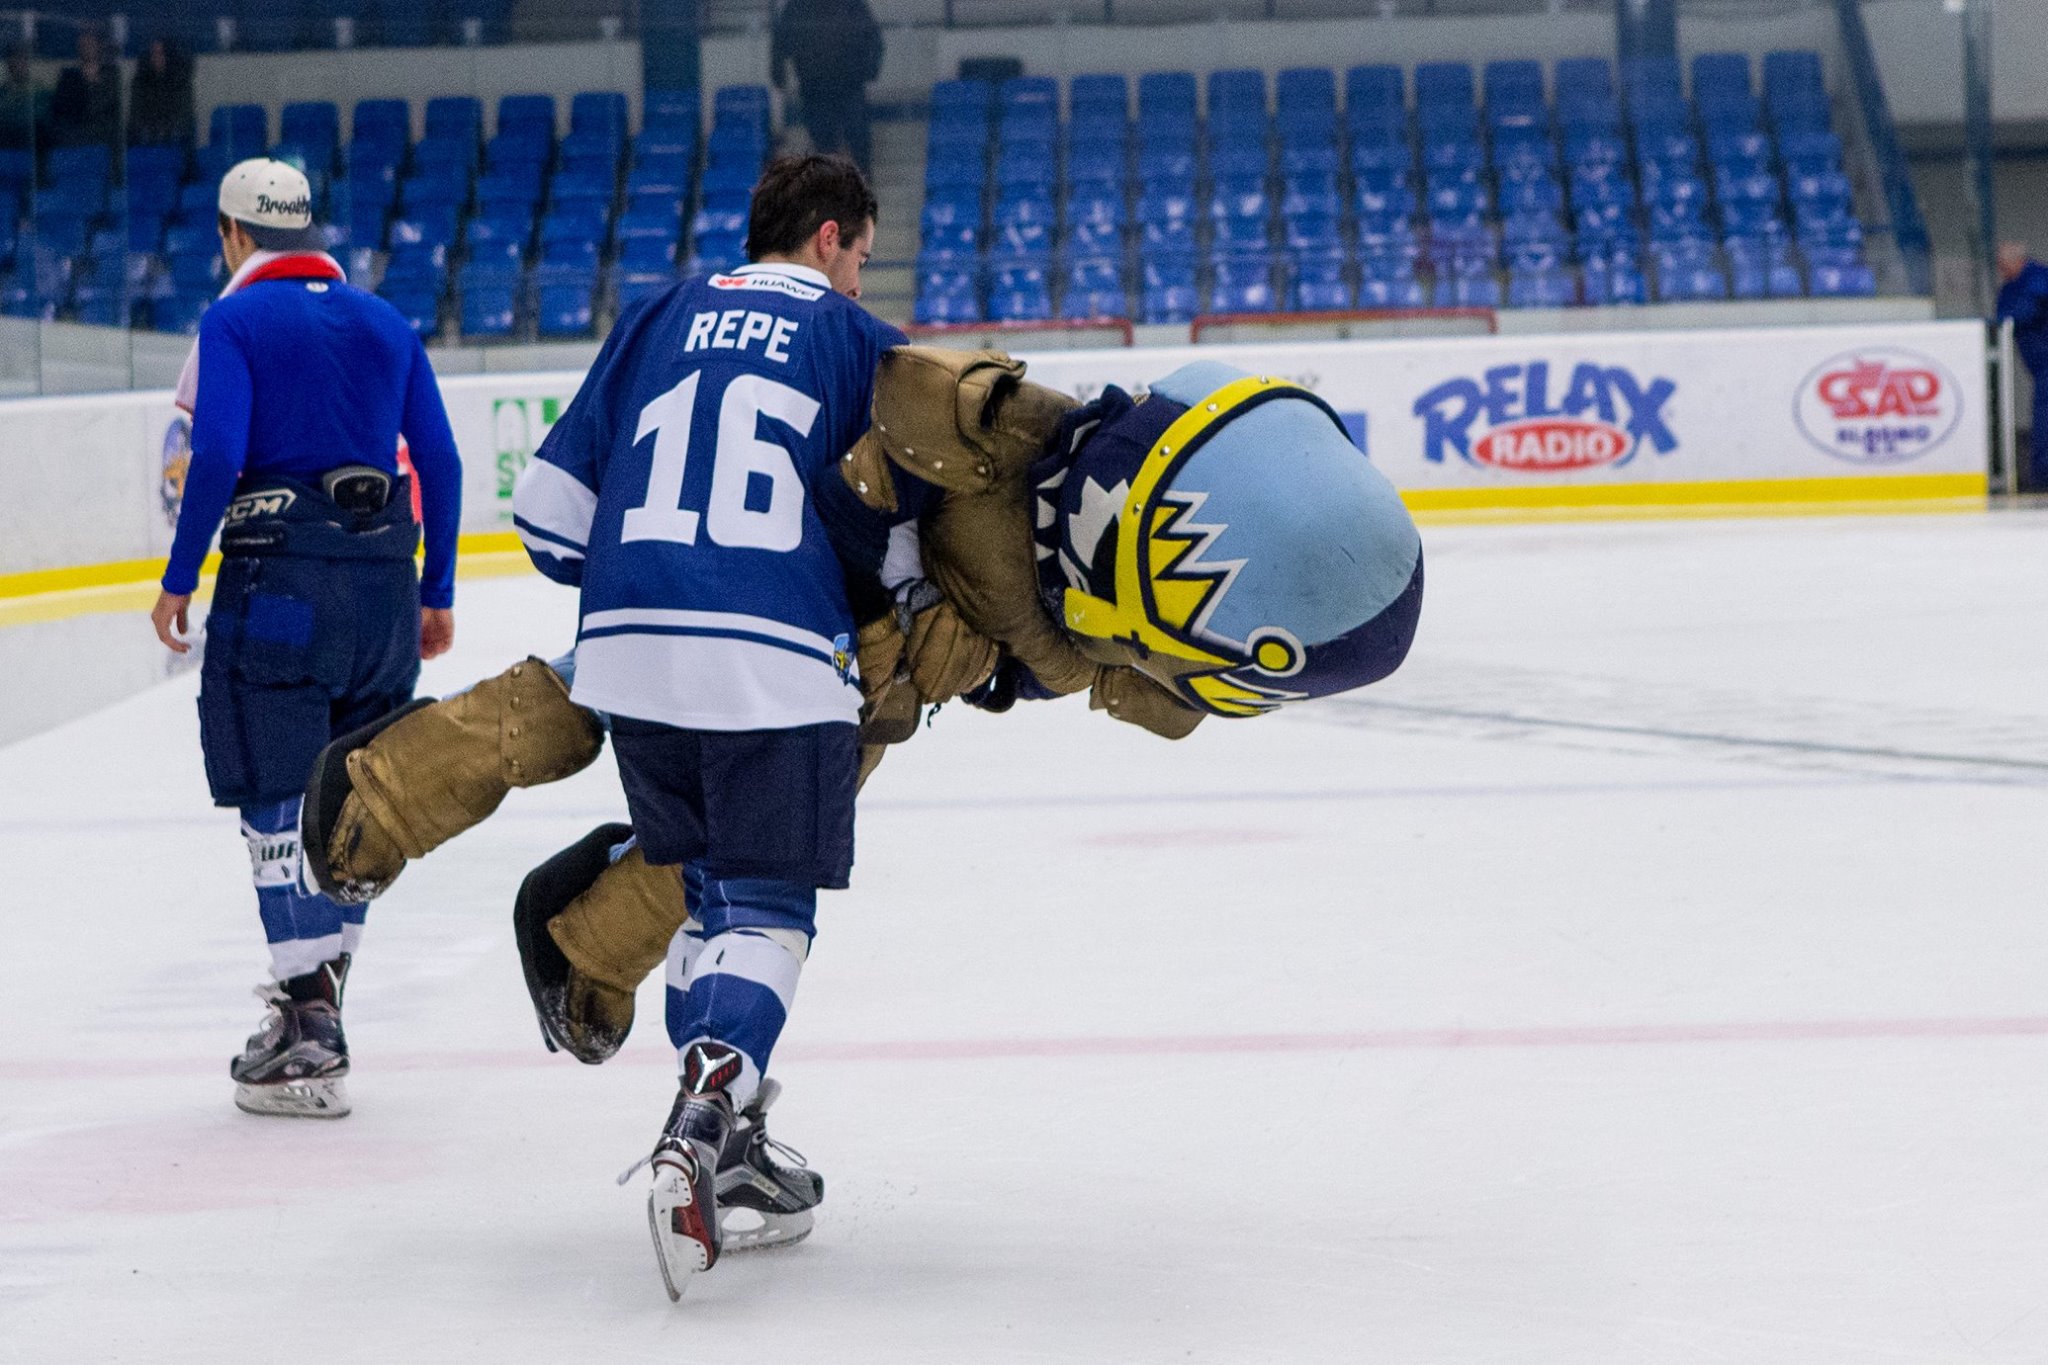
(783, 1149)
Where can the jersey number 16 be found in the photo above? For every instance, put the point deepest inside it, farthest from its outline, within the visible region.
(740, 454)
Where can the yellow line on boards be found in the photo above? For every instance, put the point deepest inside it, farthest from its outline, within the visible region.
(38, 595)
(1740, 497)
(130, 584)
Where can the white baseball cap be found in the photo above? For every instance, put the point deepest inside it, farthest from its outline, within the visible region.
(274, 201)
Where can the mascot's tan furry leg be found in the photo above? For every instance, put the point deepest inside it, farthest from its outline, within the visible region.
(401, 788)
(589, 928)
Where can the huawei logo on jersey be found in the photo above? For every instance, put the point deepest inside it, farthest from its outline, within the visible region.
(781, 284)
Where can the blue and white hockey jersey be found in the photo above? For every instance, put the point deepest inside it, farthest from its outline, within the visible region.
(678, 490)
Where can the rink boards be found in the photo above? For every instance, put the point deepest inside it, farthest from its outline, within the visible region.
(1653, 423)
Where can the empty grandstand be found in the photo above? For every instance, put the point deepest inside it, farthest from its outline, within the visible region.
(1494, 189)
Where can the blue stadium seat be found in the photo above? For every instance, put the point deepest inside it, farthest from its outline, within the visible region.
(455, 116)
(1844, 279)
(563, 299)
(1391, 289)
(1097, 94)
(1317, 283)
(178, 312)
(505, 192)
(145, 233)
(1093, 287)
(429, 225)
(604, 111)
(490, 300)
(1761, 268)
(315, 126)
(1810, 151)
(1467, 291)
(1306, 88)
(533, 115)
(1238, 88)
(1541, 289)
(1241, 282)
(243, 127)
(635, 285)
(1019, 290)
(955, 96)
(1380, 205)
(1514, 88)
(420, 307)
(1168, 293)
(1310, 196)
(946, 293)
(1689, 272)
(1166, 91)
(500, 222)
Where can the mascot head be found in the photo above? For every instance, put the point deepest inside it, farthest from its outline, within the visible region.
(1226, 536)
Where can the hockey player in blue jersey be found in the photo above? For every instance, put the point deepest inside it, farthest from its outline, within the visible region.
(678, 491)
(300, 387)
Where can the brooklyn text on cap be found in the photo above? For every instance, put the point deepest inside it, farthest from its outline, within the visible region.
(274, 201)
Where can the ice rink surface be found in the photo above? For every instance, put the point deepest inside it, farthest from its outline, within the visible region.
(1652, 971)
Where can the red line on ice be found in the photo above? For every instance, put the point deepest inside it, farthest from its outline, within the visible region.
(1184, 1045)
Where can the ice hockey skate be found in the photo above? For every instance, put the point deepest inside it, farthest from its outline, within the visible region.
(296, 1064)
(682, 1206)
(765, 1190)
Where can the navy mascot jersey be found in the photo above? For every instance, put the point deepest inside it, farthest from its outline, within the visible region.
(678, 491)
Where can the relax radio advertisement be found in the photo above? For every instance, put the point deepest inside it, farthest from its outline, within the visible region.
(1847, 402)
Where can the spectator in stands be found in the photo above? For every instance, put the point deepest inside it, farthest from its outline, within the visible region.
(2023, 300)
(835, 49)
(24, 102)
(160, 96)
(86, 107)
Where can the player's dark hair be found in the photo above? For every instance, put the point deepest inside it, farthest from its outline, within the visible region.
(797, 195)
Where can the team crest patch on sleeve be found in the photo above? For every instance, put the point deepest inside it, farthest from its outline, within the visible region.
(781, 284)
(843, 658)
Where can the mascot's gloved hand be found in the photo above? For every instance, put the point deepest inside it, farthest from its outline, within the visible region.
(1130, 696)
(943, 654)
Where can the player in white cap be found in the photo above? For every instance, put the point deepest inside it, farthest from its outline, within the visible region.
(300, 386)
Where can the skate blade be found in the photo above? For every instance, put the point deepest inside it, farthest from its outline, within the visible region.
(680, 1240)
(752, 1230)
(319, 1098)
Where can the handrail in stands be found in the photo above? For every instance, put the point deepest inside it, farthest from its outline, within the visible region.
(1909, 230)
(1210, 320)
(1120, 326)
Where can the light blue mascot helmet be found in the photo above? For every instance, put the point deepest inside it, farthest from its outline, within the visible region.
(1227, 532)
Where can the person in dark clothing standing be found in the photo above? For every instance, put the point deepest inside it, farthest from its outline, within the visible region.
(24, 103)
(87, 105)
(160, 97)
(2023, 301)
(835, 49)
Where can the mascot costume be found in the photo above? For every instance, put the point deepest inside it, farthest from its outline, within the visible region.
(1218, 547)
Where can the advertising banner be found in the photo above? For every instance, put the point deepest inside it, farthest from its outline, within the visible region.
(499, 421)
(1867, 411)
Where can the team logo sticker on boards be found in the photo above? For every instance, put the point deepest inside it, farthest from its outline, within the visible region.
(175, 462)
(1533, 419)
(1878, 405)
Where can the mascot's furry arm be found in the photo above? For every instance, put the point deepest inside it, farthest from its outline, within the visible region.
(966, 422)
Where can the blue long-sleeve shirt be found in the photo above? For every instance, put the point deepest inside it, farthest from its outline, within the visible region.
(2024, 300)
(297, 377)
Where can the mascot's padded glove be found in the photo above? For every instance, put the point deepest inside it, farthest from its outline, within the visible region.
(1130, 696)
(945, 656)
